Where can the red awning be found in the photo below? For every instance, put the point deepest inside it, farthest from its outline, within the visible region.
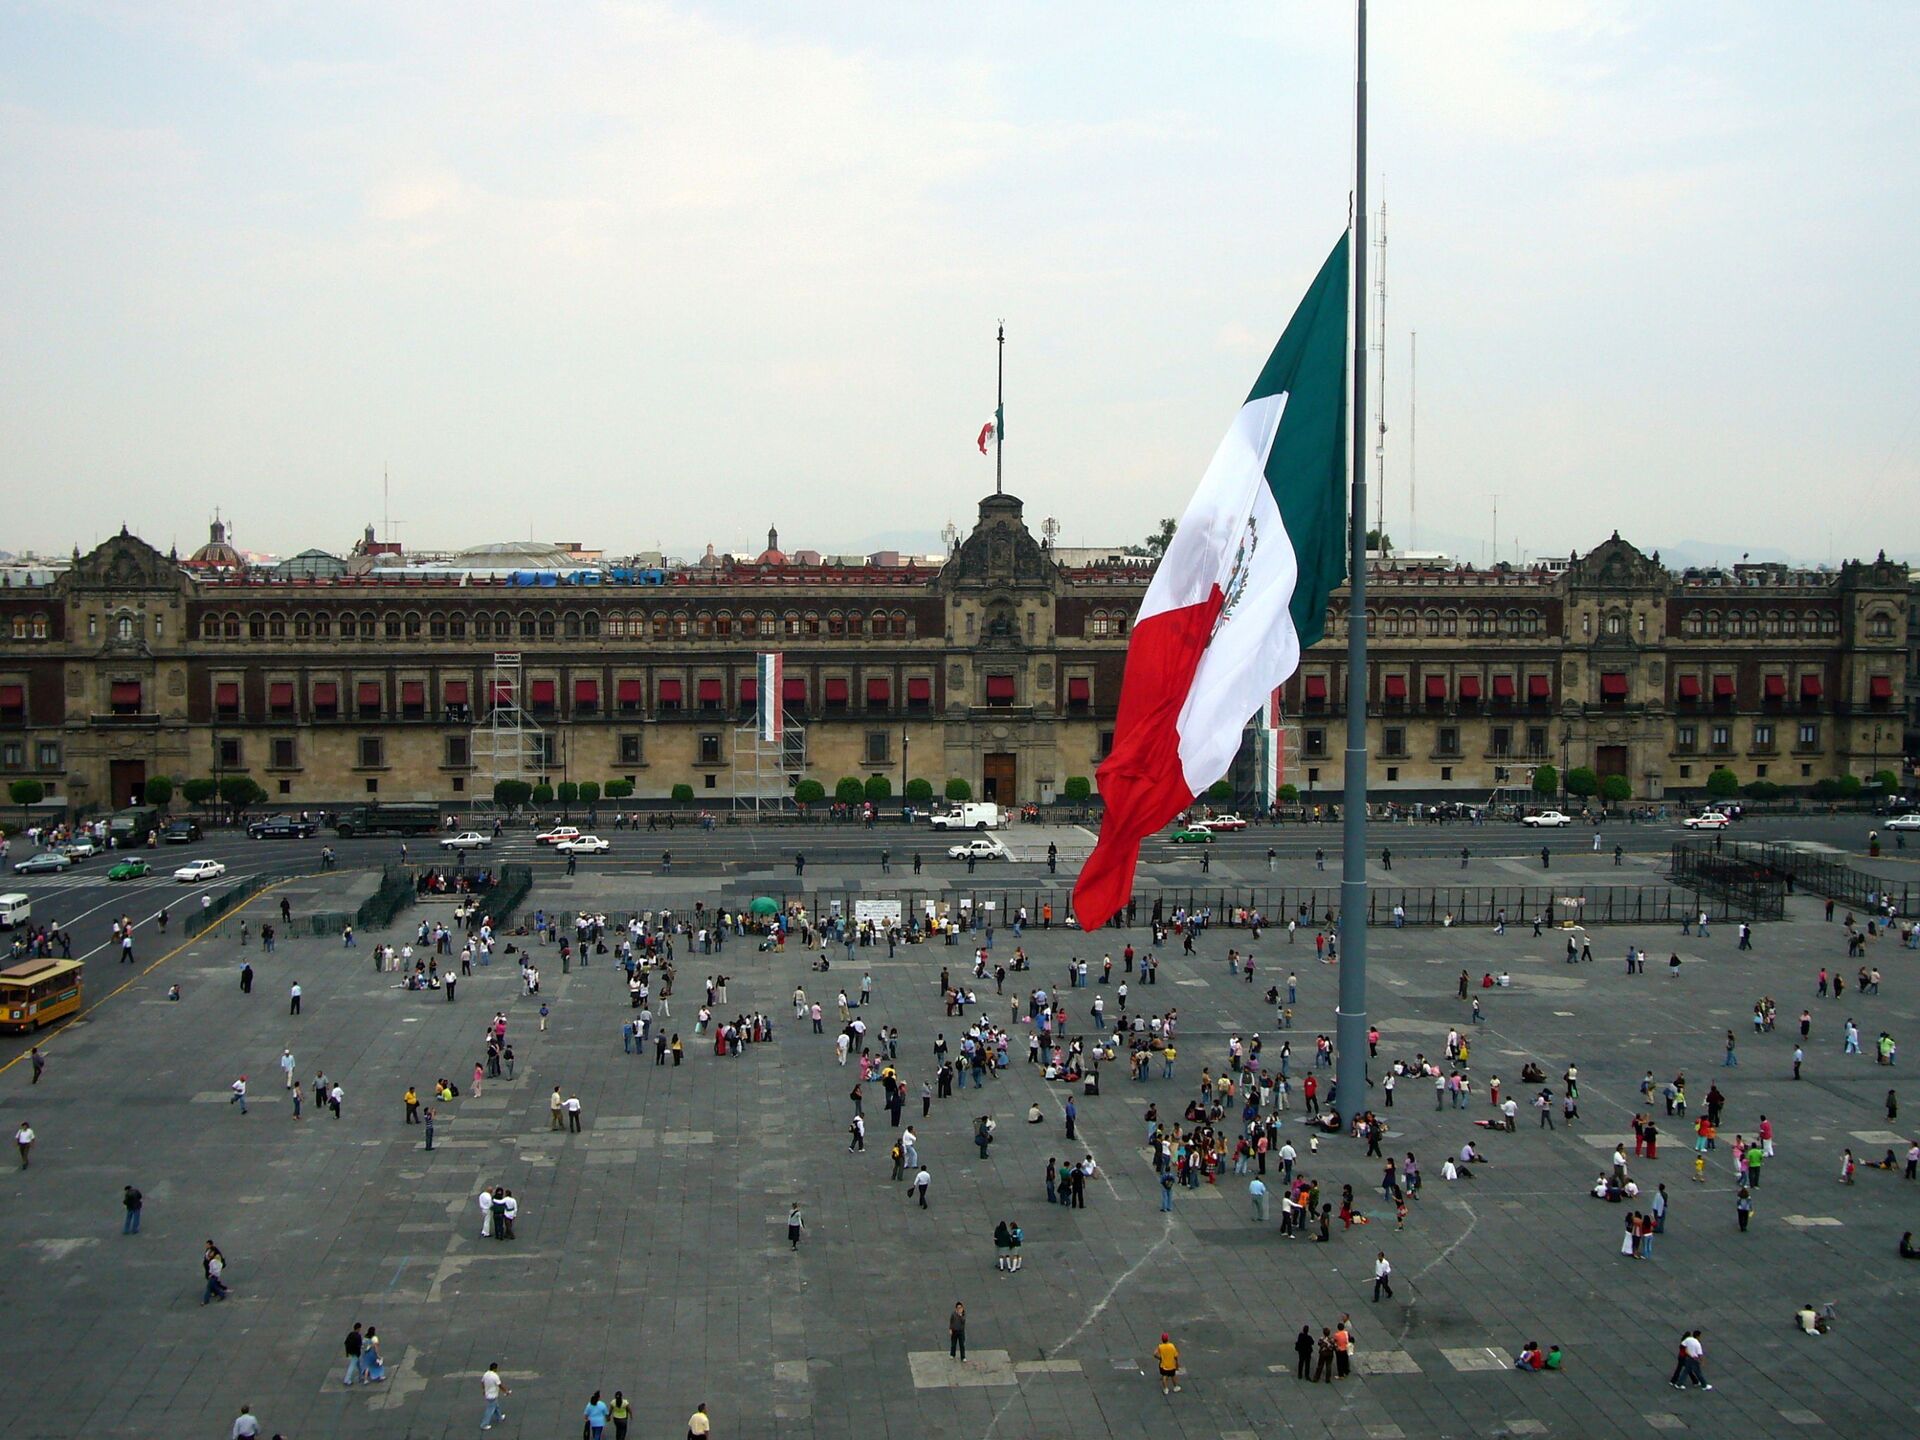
(1809, 687)
(368, 693)
(586, 692)
(1503, 687)
(1079, 691)
(1776, 687)
(545, 692)
(456, 692)
(1539, 687)
(1613, 685)
(793, 690)
(1469, 687)
(125, 692)
(920, 689)
(627, 692)
(13, 697)
(325, 693)
(280, 695)
(669, 692)
(1723, 687)
(749, 691)
(413, 692)
(227, 695)
(879, 690)
(503, 692)
(709, 692)
(1436, 687)
(836, 691)
(1880, 687)
(1000, 687)
(1396, 687)
(1316, 687)
(1689, 687)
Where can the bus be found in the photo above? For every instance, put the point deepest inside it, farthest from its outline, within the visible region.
(400, 819)
(133, 827)
(37, 991)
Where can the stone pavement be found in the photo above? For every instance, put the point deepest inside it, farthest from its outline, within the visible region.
(651, 1252)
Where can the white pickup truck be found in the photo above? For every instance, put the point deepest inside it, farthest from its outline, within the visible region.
(970, 815)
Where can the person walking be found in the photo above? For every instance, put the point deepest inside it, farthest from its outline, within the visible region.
(699, 1424)
(23, 1141)
(1382, 1277)
(795, 1224)
(429, 1117)
(1687, 1365)
(1303, 1354)
(133, 1200)
(1743, 1207)
(492, 1387)
(957, 1332)
(921, 1181)
(239, 1095)
(355, 1346)
(1167, 1355)
(293, 999)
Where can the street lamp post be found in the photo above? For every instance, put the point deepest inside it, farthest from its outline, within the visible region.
(905, 740)
(1566, 746)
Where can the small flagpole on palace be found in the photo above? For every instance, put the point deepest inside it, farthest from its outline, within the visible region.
(999, 406)
(1350, 1032)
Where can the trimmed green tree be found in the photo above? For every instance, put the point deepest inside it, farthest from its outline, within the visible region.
(878, 788)
(589, 792)
(809, 792)
(1077, 789)
(25, 793)
(1723, 784)
(682, 793)
(619, 789)
(1289, 795)
(1615, 788)
(543, 794)
(568, 792)
(1220, 790)
(1887, 780)
(512, 793)
(199, 790)
(959, 791)
(848, 790)
(1546, 780)
(240, 791)
(920, 792)
(1581, 781)
(1762, 790)
(1850, 787)
(157, 791)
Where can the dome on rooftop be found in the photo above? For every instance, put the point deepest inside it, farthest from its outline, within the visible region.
(218, 553)
(519, 554)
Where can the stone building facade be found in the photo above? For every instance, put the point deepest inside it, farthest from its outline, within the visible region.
(1001, 667)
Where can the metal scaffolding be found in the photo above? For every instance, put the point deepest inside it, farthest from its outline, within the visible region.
(765, 771)
(508, 744)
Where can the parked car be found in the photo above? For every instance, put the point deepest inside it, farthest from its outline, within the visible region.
(130, 870)
(280, 827)
(1192, 835)
(557, 834)
(78, 850)
(1220, 822)
(467, 840)
(200, 870)
(47, 862)
(1547, 819)
(181, 832)
(979, 849)
(1707, 820)
(583, 845)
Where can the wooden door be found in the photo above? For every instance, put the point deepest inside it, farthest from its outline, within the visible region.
(998, 773)
(129, 780)
(1610, 760)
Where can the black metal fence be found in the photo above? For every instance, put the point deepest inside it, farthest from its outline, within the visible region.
(1235, 907)
(1791, 868)
(505, 898)
(1749, 888)
(215, 908)
(394, 894)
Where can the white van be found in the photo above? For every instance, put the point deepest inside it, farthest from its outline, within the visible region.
(15, 910)
(973, 815)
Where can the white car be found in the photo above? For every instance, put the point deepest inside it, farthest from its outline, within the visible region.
(1707, 820)
(1910, 821)
(557, 834)
(79, 850)
(583, 845)
(1221, 823)
(1551, 819)
(467, 840)
(981, 849)
(200, 870)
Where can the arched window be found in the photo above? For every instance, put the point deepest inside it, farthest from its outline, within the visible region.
(413, 624)
(810, 624)
(856, 624)
(457, 625)
(723, 625)
(766, 626)
(437, 626)
(256, 626)
(836, 623)
(792, 623)
(323, 626)
(900, 623)
(209, 627)
(276, 626)
(570, 625)
(482, 625)
(662, 626)
(682, 624)
(546, 624)
(390, 625)
(123, 627)
(302, 626)
(529, 627)
(1097, 625)
(590, 624)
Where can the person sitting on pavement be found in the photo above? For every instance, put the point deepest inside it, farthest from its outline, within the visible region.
(1034, 1117)
(1809, 1322)
(1530, 1357)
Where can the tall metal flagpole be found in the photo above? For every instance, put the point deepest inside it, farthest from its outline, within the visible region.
(1350, 1034)
(999, 406)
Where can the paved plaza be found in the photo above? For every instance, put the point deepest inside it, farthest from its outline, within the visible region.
(651, 1252)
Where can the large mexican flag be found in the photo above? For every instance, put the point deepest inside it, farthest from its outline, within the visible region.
(1241, 590)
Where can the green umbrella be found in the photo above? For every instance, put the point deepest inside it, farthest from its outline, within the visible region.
(765, 905)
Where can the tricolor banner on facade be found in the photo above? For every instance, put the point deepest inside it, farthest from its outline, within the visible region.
(771, 687)
(1241, 590)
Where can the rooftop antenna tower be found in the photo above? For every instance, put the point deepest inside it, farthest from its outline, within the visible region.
(1413, 423)
(1049, 532)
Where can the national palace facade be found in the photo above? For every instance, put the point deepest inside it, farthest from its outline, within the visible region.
(1001, 666)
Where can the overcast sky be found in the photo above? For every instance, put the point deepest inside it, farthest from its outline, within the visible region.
(645, 273)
